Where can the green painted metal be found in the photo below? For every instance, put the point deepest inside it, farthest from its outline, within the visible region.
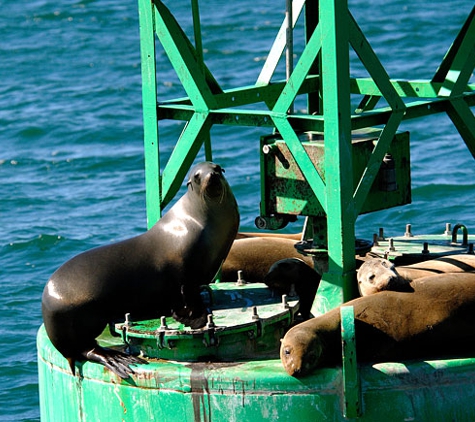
(339, 187)
(246, 321)
(150, 116)
(258, 390)
(410, 248)
(285, 190)
(350, 371)
(330, 33)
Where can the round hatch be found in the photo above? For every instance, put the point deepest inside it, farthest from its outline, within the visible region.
(246, 322)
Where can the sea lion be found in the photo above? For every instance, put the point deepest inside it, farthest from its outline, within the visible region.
(156, 273)
(294, 236)
(379, 274)
(435, 320)
(292, 276)
(255, 255)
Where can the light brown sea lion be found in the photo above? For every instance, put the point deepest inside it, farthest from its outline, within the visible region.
(255, 255)
(435, 320)
(294, 236)
(379, 274)
(156, 273)
(293, 276)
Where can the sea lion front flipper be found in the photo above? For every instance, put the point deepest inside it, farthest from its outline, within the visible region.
(117, 362)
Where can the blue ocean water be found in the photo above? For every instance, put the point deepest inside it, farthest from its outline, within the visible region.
(71, 157)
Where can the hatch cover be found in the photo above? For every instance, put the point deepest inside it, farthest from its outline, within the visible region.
(247, 322)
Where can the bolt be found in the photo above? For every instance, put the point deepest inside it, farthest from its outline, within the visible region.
(375, 239)
(470, 248)
(240, 281)
(391, 247)
(163, 323)
(425, 249)
(284, 302)
(128, 320)
(408, 231)
(381, 234)
(448, 229)
(210, 323)
(255, 316)
(268, 149)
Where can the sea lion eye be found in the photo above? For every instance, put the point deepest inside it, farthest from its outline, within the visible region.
(287, 352)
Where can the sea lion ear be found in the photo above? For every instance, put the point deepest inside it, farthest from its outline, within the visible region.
(189, 184)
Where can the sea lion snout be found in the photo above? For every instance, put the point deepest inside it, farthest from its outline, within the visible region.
(300, 351)
(291, 361)
(208, 178)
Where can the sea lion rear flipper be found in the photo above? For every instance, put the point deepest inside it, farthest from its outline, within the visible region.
(118, 362)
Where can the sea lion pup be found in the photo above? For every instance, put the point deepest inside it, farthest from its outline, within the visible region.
(255, 255)
(156, 273)
(292, 276)
(436, 320)
(379, 274)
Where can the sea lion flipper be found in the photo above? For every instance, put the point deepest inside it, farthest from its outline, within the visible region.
(117, 362)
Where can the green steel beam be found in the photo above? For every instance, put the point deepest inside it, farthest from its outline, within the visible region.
(336, 283)
(464, 121)
(183, 58)
(304, 122)
(301, 157)
(352, 406)
(199, 55)
(454, 72)
(381, 78)
(299, 74)
(185, 151)
(149, 107)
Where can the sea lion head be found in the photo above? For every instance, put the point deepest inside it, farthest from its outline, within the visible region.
(300, 350)
(207, 180)
(282, 275)
(378, 274)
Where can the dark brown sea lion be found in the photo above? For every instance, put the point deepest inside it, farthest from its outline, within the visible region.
(153, 274)
(435, 320)
(292, 276)
(379, 274)
(255, 255)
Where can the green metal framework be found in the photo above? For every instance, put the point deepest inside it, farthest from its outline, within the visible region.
(321, 73)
